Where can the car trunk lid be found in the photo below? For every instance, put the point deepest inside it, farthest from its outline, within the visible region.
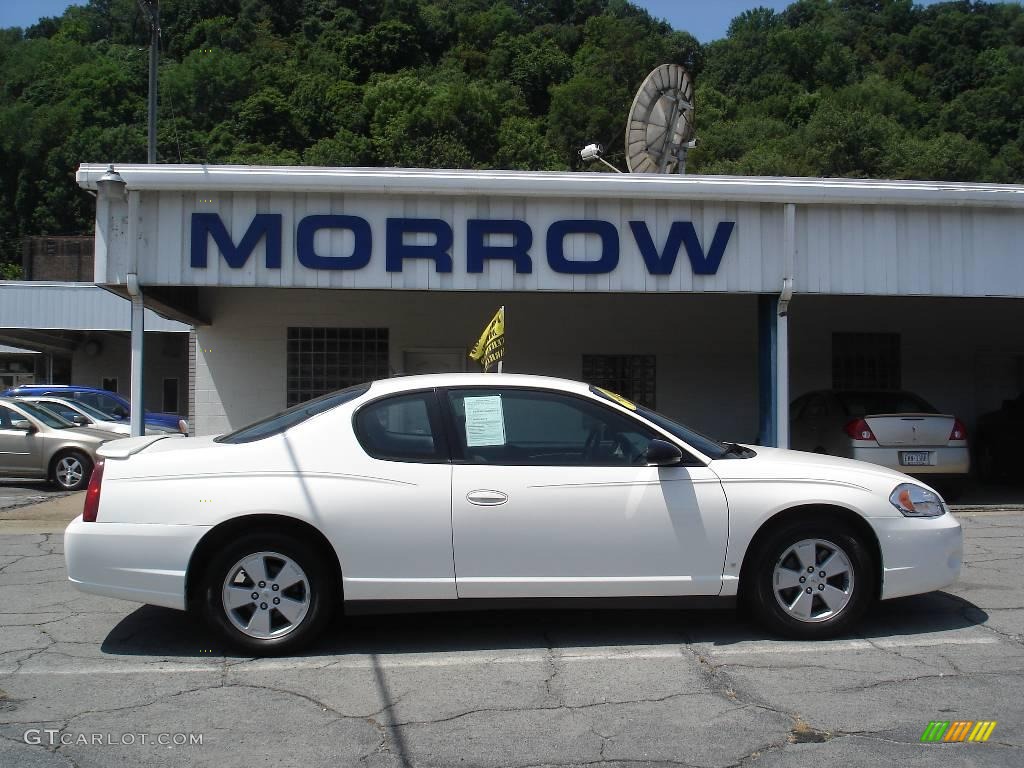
(127, 446)
(910, 429)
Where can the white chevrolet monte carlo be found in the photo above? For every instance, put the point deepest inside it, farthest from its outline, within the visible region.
(486, 488)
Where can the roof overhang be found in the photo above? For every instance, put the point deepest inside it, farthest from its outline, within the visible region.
(807, 191)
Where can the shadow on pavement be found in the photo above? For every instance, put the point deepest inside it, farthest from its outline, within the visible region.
(162, 632)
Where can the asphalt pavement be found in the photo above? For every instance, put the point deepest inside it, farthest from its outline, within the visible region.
(15, 494)
(86, 681)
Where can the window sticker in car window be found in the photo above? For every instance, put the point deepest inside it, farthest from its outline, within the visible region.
(485, 421)
(617, 398)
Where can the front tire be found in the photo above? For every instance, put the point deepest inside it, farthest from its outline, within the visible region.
(268, 594)
(811, 580)
(71, 471)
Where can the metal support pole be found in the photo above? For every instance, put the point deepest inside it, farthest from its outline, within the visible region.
(138, 412)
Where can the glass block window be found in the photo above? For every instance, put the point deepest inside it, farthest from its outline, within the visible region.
(866, 361)
(322, 360)
(632, 376)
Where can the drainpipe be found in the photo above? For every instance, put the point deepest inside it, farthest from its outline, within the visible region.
(782, 329)
(782, 365)
(138, 412)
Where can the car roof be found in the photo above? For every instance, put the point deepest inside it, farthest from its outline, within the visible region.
(430, 380)
(67, 387)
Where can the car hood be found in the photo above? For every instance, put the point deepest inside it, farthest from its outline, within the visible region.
(89, 433)
(784, 464)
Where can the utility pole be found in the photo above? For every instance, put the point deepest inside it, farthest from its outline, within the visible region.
(151, 8)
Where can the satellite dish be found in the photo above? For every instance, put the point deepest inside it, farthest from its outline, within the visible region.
(660, 126)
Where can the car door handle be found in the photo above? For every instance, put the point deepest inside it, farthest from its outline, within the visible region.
(486, 498)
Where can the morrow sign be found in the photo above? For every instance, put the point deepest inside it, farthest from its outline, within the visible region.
(517, 244)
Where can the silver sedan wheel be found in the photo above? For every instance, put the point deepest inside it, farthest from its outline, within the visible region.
(266, 595)
(813, 580)
(69, 471)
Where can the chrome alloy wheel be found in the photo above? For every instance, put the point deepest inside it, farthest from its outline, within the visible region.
(266, 595)
(69, 471)
(813, 580)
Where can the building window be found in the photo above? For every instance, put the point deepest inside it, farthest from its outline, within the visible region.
(322, 360)
(170, 396)
(632, 376)
(866, 361)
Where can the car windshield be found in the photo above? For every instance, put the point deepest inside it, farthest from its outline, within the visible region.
(49, 418)
(858, 404)
(706, 445)
(112, 408)
(279, 422)
(94, 413)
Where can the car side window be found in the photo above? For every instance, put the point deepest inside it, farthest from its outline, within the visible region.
(11, 419)
(543, 428)
(402, 428)
(797, 407)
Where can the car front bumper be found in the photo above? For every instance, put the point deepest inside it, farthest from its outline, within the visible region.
(145, 563)
(918, 554)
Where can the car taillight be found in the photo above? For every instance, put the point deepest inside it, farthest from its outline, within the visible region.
(959, 431)
(92, 495)
(858, 429)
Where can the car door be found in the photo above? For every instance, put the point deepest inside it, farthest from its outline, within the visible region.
(401, 547)
(550, 498)
(20, 449)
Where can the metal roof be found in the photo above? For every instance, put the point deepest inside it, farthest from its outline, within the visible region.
(250, 178)
(72, 307)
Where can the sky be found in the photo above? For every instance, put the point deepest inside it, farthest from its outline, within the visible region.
(704, 19)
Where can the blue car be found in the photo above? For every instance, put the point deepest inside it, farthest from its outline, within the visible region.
(110, 403)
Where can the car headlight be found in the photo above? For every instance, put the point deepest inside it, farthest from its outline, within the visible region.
(915, 501)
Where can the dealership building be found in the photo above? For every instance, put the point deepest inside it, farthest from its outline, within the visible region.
(717, 300)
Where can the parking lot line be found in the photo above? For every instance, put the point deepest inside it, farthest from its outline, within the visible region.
(461, 658)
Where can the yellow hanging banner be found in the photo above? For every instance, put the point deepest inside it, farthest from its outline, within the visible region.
(490, 349)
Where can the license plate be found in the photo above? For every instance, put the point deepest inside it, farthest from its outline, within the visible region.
(914, 458)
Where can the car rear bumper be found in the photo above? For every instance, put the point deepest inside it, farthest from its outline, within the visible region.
(942, 460)
(145, 563)
(918, 554)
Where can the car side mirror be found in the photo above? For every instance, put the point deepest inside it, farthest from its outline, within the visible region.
(80, 420)
(23, 424)
(661, 453)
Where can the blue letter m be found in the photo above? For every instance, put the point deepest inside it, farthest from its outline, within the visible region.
(205, 225)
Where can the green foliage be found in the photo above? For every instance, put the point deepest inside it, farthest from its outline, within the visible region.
(823, 88)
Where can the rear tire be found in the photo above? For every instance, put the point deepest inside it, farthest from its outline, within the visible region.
(787, 592)
(71, 470)
(268, 594)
